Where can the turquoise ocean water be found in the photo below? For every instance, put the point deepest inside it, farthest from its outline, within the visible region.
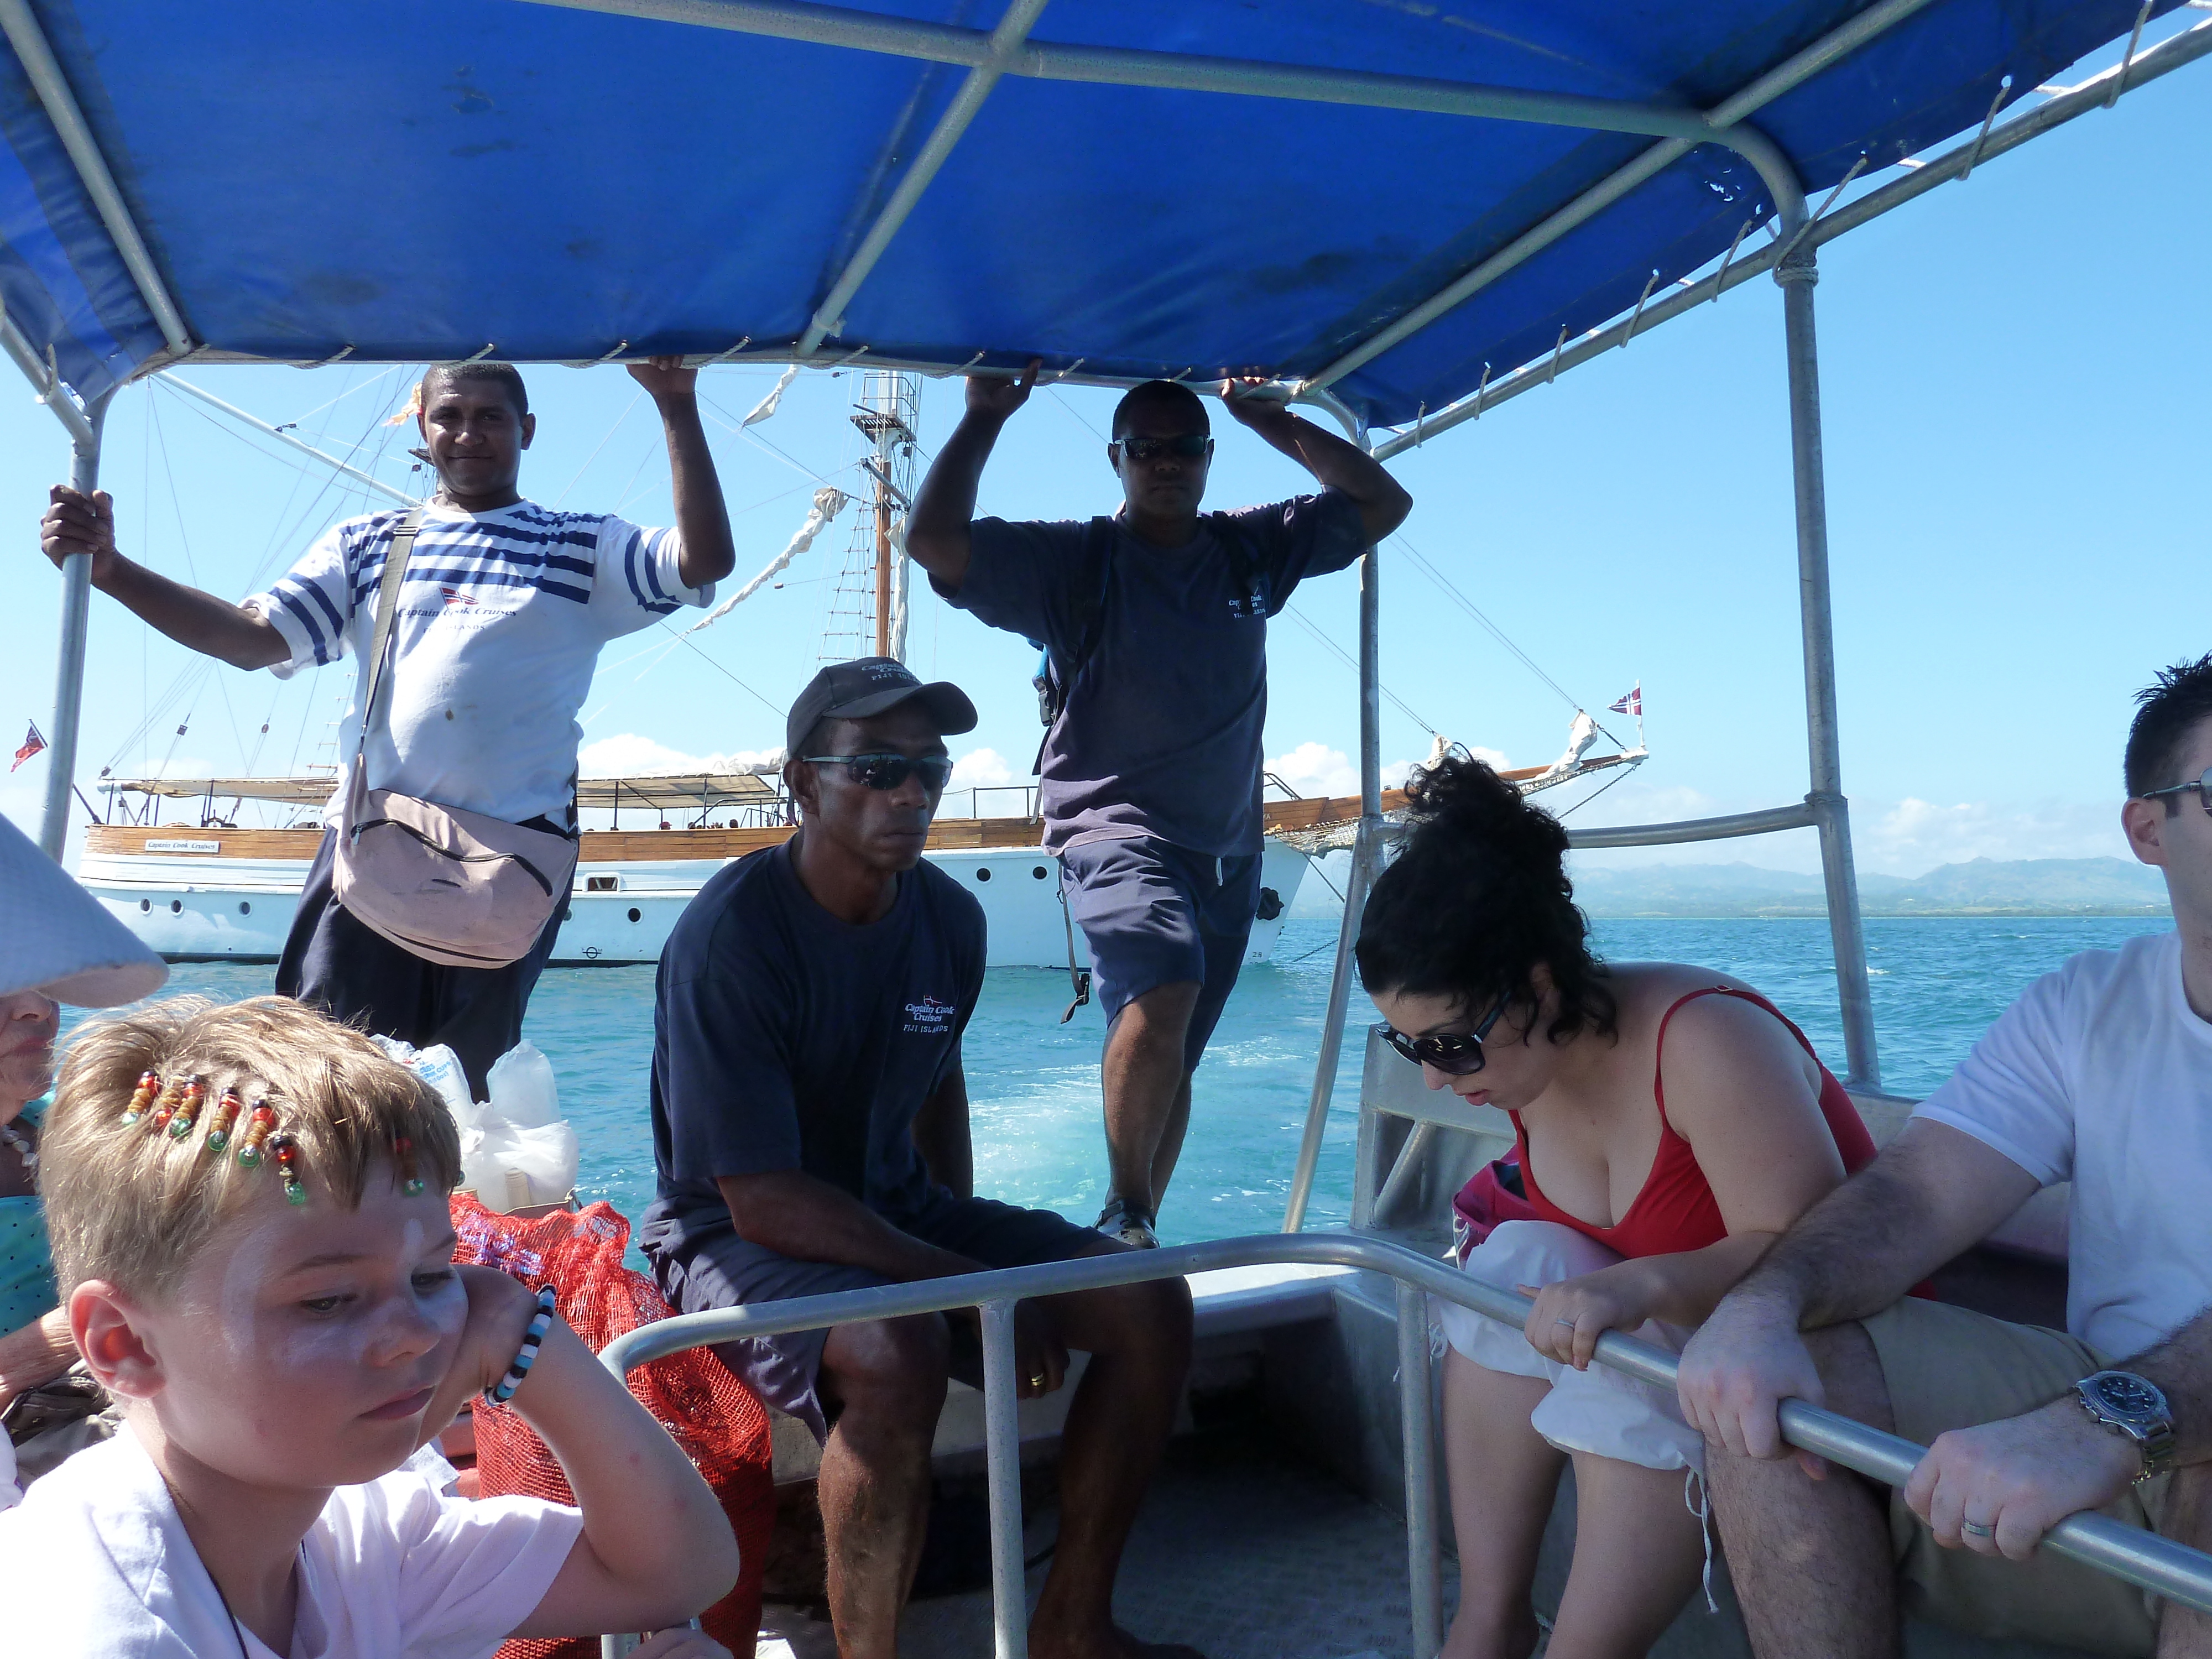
(1938, 982)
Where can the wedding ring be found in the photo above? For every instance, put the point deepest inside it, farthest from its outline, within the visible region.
(1569, 1323)
(1037, 1379)
(1975, 1530)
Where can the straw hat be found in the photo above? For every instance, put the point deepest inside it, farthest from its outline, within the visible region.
(57, 938)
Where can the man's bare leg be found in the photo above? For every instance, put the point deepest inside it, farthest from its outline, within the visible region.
(1144, 1078)
(2183, 1633)
(1811, 1559)
(888, 1378)
(1138, 1340)
(1170, 1147)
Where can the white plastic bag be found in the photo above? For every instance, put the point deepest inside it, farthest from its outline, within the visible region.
(509, 1168)
(440, 1067)
(516, 1150)
(522, 1088)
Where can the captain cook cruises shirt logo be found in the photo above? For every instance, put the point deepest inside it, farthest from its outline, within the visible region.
(928, 1017)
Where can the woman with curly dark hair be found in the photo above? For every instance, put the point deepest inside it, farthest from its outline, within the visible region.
(1670, 1123)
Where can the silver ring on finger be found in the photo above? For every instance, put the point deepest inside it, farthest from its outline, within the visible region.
(1569, 1323)
(1976, 1529)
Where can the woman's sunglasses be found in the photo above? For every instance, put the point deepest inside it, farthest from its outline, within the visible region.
(888, 771)
(1451, 1053)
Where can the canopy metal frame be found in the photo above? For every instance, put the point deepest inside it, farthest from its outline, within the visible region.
(989, 56)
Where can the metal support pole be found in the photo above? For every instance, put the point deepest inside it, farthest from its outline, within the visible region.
(1002, 1449)
(1366, 861)
(1424, 1560)
(69, 659)
(1363, 852)
(1831, 814)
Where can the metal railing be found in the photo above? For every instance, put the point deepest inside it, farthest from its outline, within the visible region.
(2140, 1558)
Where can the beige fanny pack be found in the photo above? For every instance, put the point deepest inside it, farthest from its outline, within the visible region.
(452, 887)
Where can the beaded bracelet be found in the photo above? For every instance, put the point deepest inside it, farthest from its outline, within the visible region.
(526, 1356)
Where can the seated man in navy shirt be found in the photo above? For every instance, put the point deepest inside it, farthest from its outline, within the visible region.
(809, 1125)
(1156, 622)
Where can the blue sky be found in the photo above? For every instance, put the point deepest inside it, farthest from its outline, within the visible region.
(2013, 372)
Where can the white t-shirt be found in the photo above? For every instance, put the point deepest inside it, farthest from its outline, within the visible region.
(2101, 1074)
(94, 1560)
(498, 630)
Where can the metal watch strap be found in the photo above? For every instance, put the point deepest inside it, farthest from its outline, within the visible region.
(2154, 1444)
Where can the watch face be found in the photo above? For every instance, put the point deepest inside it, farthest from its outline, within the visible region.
(2128, 1396)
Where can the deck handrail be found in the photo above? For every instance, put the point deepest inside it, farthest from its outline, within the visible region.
(2140, 1557)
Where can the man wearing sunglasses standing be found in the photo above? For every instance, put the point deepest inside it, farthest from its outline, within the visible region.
(2097, 1076)
(810, 1122)
(1154, 624)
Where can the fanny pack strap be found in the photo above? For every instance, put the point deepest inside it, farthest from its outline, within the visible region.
(387, 607)
(1078, 979)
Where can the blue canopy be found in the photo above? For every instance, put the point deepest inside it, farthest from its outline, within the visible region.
(416, 179)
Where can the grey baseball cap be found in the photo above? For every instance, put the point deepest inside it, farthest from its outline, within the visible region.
(868, 685)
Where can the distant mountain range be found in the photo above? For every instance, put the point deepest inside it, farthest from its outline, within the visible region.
(1982, 887)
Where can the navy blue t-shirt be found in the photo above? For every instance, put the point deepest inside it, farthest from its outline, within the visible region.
(1165, 722)
(785, 1038)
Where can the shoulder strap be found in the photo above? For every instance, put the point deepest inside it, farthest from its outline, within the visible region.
(1659, 1047)
(1094, 580)
(1097, 579)
(396, 555)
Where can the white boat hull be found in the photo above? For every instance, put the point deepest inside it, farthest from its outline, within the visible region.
(202, 908)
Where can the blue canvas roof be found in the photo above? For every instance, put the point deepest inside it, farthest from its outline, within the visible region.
(416, 179)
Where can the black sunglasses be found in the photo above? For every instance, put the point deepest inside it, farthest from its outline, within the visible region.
(1184, 446)
(888, 771)
(2202, 787)
(1450, 1053)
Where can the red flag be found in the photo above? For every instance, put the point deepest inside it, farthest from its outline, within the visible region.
(1632, 703)
(33, 744)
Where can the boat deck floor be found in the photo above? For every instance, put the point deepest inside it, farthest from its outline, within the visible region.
(1241, 1551)
(1247, 1550)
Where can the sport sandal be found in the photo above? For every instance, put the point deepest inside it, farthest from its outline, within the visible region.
(1130, 1225)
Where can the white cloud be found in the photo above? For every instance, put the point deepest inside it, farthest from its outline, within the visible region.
(982, 768)
(1315, 769)
(629, 755)
(1913, 836)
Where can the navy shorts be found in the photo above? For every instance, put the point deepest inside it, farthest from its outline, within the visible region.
(1155, 913)
(721, 1270)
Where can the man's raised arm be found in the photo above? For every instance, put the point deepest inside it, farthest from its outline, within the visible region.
(937, 532)
(702, 521)
(1934, 1191)
(81, 526)
(1344, 467)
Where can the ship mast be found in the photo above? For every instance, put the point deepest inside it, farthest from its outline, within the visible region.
(886, 416)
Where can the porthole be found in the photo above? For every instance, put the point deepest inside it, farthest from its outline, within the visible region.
(1039, 873)
(984, 873)
(245, 909)
(176, 907)
(145, 905)
(635, 914)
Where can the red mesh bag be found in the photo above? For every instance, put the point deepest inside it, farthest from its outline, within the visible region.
(715, 1419)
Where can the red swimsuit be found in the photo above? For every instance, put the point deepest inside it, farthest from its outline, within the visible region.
(1676, 1211)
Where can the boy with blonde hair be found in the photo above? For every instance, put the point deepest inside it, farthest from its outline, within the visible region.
(249, 1204)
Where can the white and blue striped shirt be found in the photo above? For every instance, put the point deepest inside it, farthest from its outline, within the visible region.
(500, 622)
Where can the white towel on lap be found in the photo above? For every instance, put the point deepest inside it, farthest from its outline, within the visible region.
(1599, 1411)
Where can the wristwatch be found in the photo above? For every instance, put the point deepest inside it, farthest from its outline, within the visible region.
(2134, 1406)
